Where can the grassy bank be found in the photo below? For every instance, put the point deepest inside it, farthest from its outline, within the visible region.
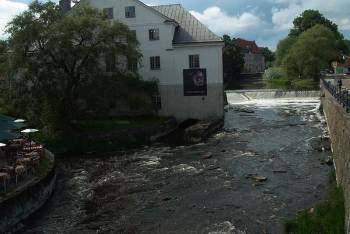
(328, 217)
(290, 84)
(102, 135)
(119, 123)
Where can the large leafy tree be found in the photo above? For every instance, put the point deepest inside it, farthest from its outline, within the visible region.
(313, 51)
(233, 60)
(309, 19)
(283, 48)
(58, 59)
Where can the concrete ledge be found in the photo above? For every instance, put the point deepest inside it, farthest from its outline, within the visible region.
(23, 202)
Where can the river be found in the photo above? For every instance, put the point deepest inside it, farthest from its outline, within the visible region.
(263, 167)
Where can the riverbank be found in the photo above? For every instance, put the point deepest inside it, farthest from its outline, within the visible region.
(100, 137)
(103, 137)
(26, 199)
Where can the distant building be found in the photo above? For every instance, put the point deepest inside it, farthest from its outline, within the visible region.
(178, 50)
(342, 68)
(254, 60)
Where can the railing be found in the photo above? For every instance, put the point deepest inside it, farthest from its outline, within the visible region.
(342, 95)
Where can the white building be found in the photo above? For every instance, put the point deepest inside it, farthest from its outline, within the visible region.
(179, 51)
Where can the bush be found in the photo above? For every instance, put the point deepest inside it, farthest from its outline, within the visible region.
(306, 84)
(274, 73)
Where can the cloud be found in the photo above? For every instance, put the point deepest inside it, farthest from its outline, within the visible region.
(282, 19)
(222, 23)
(344, 24)
(337, 11)
(8, 9)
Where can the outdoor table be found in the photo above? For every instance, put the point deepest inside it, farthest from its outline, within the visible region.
(31, 154)
(37, 147)
(24, 161)
(30, 144)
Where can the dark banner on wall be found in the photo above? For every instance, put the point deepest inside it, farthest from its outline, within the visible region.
(195, 82)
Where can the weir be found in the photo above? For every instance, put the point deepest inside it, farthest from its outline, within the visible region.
(239, 96)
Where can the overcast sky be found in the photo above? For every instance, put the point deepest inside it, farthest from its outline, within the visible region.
(266, 21)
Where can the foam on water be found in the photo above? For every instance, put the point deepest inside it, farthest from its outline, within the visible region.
(269, 98)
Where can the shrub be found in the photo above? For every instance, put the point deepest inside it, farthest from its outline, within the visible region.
(274, 73)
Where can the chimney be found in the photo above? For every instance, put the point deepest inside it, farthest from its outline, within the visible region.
(65, 5)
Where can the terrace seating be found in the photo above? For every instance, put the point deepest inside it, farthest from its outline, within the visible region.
(23, 156)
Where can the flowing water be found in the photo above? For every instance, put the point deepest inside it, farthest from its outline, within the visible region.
(213, 187)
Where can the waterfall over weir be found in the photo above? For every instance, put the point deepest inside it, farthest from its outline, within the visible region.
(241, 96)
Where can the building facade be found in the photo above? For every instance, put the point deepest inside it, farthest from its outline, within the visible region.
(342, 68)
(254, 60)
(178, 51)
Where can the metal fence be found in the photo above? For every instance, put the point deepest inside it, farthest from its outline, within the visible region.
(342, 95)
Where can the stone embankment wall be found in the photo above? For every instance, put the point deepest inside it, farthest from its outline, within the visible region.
(21, 203)
(339, 129)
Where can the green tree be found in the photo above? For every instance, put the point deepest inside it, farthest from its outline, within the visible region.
(313, 51)
(283, 48)
(233, 61)
(268, 55)
(59, 59)
(3, 57)
(309, 19)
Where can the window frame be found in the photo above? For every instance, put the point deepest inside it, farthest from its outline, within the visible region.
(109, 11)
(155, 63)
(132, 65)
(194, 61)
(130, 14)
(153, 34)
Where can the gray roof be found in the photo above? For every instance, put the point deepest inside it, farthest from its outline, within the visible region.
(190, 29)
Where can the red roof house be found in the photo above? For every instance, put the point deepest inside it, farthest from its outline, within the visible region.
(254, 60)
(341, 68)
(248, 46)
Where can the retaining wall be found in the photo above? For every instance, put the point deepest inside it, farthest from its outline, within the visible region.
(339, 129)
(21, 203)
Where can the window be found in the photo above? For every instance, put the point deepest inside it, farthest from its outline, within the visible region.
(110, 62)
(132, 65)
(153, 34)
(157, 102)
(155, 63)
(194, 61)
(130, 12)
(108, 12)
